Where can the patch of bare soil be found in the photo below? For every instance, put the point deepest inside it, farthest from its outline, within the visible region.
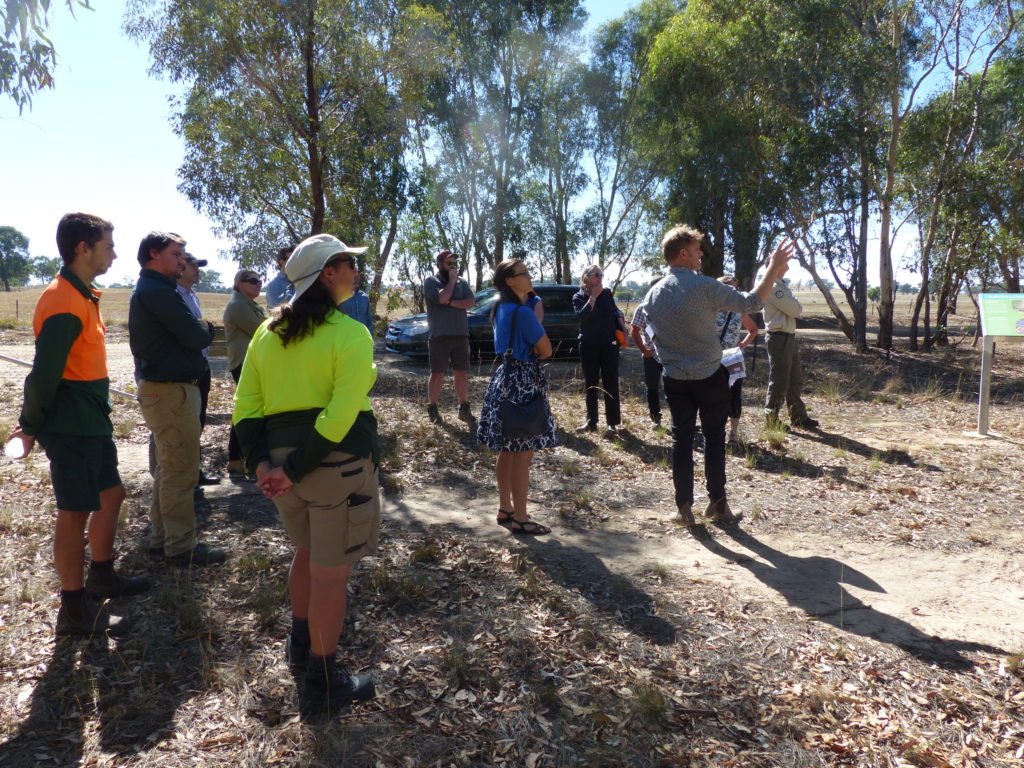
(866, 613)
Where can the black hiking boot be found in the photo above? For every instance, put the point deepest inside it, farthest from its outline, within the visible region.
(102, 582)
(80, 616)
(328, 688)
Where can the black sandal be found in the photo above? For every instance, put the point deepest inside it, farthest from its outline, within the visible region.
(527, 527)
(503, 517)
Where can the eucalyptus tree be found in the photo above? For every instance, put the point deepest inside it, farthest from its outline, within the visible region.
(622, 222)
(295, 115)
(15, 263)
(481, 111)
(27, 56)
(562, 134)
(718, 75)
(961, 183)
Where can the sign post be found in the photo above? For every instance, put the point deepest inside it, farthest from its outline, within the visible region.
(1002, 318)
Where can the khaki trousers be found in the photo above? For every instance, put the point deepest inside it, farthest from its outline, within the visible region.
(171, 412)
(785, 376)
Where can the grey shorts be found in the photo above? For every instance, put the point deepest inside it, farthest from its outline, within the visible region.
(445, 349)
(334, 511)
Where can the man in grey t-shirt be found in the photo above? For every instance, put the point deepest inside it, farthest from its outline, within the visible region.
(681, 312)
(448, 297)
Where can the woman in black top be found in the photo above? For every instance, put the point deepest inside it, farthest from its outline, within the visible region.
(599, 320)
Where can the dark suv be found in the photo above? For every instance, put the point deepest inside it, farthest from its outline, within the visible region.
(408, 336)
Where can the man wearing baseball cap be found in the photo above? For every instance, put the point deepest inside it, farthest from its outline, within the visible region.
(448, 297)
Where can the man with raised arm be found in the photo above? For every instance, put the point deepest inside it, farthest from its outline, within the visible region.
(681, 312)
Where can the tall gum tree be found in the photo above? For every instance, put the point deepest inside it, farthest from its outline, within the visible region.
(295, 115)
(479, 121)
(621, 222)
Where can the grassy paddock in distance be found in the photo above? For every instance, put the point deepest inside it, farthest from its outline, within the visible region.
(19, 304)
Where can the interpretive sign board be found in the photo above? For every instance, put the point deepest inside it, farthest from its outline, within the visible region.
(1002, 318)
(1002, 314)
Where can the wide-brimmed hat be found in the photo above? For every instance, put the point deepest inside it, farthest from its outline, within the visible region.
(308, 260)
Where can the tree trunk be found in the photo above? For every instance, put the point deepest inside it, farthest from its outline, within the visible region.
(860, 272)
(313, 160)
(746, 230)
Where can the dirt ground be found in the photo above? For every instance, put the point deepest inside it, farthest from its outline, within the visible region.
(891, 523)
(948, 563)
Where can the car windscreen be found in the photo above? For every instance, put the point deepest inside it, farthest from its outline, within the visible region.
(485, 300)
(556, 300)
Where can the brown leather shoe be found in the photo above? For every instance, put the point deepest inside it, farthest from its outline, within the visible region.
(719, 512)
(685, 515)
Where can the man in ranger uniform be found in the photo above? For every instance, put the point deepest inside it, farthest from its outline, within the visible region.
(67, 411)
(785, 375)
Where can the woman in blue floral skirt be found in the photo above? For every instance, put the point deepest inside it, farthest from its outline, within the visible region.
(516, 326)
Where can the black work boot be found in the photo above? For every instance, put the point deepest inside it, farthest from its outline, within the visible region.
(433, 414)
(296, 647)
(328, 688)
(80, 616)
(466, 415)
(103, 582)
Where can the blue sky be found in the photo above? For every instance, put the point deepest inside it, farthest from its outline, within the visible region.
(101, 141)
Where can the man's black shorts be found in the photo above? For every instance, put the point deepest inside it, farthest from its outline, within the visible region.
(80, 468)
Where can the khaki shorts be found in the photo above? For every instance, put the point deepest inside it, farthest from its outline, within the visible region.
(334, 511)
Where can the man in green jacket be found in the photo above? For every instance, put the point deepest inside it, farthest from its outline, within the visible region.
(167, 341)
(67, 411)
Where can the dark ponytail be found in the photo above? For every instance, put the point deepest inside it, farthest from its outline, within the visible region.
(298, 320)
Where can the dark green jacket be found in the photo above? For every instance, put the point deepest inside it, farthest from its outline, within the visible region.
(166, 339)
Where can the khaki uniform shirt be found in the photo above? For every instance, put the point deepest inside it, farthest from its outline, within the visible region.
(781, 309)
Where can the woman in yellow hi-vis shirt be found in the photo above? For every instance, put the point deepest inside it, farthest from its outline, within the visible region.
(305, 424)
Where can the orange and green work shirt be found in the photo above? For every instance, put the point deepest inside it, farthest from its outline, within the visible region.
(313, 395)
(68, 390)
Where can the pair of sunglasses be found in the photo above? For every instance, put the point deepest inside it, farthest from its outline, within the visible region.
(342, 260)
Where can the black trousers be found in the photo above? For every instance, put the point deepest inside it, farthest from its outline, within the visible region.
(652, 380)
(710, 399)
(234, 449)
(736, 399)
(204, 394)
(601, 361)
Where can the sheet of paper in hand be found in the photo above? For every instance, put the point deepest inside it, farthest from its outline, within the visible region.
(732, 359)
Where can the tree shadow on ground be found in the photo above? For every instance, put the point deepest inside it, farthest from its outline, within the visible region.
(615, 597)
(844, 443)
(133, 686)
(54, 731)
(815, 586)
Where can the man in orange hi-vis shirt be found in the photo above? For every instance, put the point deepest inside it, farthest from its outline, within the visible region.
(67, 411)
